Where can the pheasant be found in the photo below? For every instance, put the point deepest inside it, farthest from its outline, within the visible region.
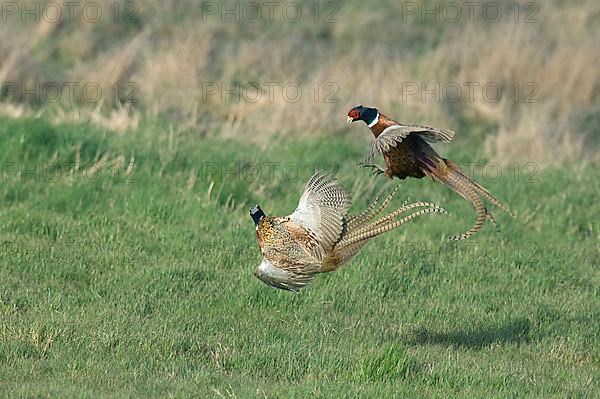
(407, 153)
(320, 235)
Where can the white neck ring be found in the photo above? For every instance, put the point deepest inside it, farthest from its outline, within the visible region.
(374, 121)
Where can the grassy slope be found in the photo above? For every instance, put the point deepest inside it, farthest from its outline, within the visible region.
(144, 286)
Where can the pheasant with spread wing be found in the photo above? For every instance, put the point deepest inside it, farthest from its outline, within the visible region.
(407, 153)
(320, 235)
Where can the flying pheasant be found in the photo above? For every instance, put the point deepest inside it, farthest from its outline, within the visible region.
(407, 153)
(320, 235)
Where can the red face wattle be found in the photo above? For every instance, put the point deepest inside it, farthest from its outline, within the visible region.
(353, 114)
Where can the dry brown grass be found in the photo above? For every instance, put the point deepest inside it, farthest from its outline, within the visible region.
(171, 54)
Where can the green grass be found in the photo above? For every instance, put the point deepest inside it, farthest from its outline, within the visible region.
(139, 284)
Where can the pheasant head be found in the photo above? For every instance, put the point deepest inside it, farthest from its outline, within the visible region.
(257, 214)
(359, 113)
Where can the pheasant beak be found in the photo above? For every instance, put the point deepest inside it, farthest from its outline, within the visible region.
(349, 120)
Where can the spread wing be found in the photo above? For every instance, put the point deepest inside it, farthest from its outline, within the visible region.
(321, 211)
(394, 135)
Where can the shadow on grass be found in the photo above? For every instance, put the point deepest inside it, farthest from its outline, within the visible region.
(513, 332)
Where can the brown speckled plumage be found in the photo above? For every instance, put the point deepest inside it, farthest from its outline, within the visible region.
(320, 235)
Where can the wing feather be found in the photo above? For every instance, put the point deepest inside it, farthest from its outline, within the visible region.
(321, 210)
(394, 135)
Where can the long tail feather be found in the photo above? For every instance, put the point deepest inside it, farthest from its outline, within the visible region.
(483, 191)
(404, 209)
(359, 218)
(492, 220)
(465, 191)
(358, 235)
(362, 229)
(449, 173)
(369, 213)
(478, 187)
(380, 229)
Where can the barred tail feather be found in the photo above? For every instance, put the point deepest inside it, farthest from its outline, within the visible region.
(358, 231)
(492, 220)
(368, 214)
(483, 191)
(363, 216)
(478, 188)
(406, 207)
(453, 180)
(374, 231)
(345, 254)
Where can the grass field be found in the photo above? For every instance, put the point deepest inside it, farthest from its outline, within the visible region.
(137, 281)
